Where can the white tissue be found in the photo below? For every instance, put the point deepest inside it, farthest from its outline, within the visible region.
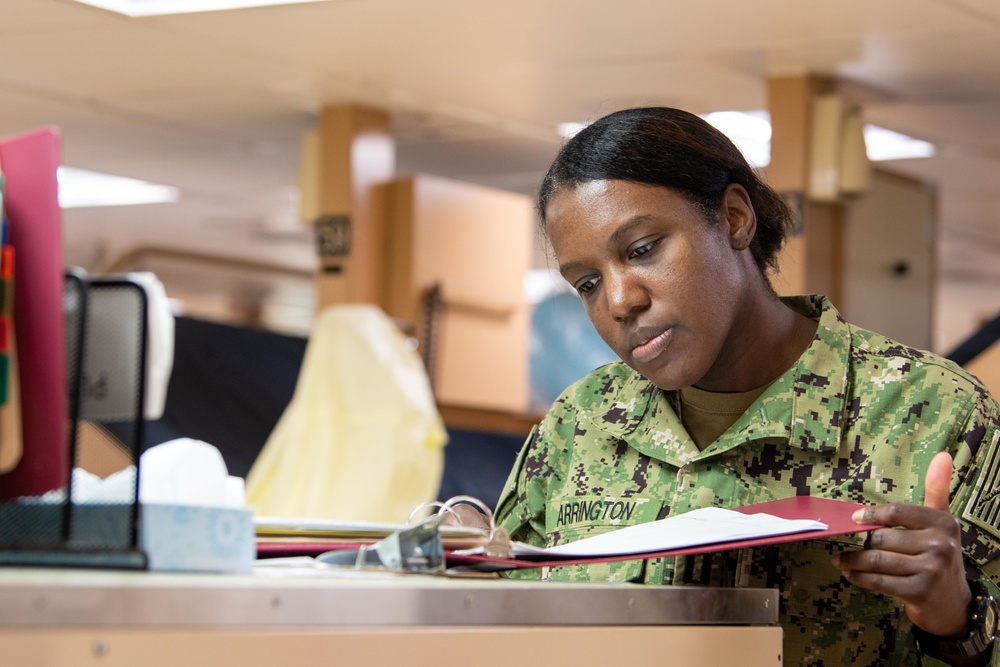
(188, 472)
(179, 472)
(193, 513)
(117, 487)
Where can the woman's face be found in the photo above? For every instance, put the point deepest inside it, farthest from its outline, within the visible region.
(664, 285)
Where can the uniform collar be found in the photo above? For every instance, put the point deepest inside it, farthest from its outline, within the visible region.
(804, 407)
(806, 404)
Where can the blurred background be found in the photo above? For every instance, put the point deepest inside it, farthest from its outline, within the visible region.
(428, 125)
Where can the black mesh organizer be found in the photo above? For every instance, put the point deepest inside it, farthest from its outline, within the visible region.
(106, 366)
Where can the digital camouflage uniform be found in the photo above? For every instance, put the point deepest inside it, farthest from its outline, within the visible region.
(858, 418)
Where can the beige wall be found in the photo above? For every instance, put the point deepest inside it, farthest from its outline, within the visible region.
(965, 304)
(476, 242)
(987, 368)
(893, 223)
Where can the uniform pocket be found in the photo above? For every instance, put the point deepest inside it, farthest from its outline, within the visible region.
(617, 571)
(815, 589)
(824, 615)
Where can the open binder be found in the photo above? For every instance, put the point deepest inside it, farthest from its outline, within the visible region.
(825, 518)
(32, 451)
(834, 515)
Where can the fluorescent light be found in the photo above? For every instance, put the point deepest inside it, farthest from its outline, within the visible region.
(136, 8)
(749, 130)
(79, 188)
(883, 144)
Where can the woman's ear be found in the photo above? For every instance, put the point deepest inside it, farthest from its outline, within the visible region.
(739, 215)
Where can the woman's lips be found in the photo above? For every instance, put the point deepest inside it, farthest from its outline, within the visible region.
(646, 352)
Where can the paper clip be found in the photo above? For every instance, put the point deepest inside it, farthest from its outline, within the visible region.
(416, 548)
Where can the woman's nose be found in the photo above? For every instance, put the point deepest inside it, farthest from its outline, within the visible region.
(625, 294)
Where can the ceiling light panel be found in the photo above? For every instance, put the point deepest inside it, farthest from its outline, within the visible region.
(81, 187)
(749, 130)
(883, 144)
(137, 8)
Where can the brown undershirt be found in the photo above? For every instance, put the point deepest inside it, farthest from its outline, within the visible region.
(707, 414)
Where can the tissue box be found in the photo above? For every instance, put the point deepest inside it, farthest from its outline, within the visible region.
(180, 538)
(188, 538)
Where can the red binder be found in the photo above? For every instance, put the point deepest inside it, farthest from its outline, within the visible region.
(836, 514)
(31, 199)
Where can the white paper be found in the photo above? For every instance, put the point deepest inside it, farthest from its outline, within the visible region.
(708, 525)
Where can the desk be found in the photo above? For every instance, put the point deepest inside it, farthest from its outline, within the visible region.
(322, 617)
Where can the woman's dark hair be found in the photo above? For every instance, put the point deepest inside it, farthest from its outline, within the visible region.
(674, 149)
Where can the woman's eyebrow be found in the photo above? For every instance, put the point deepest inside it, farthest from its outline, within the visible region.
(567, 267)
(615, 238)
(627, 226)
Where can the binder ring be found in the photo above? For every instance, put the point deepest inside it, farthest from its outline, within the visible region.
(447, 505)
(421, 507)
(498, 543)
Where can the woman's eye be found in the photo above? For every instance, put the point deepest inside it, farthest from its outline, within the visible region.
(586, 286)
(643, 249)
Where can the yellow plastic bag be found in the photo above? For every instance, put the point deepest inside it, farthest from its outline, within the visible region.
(361, 438)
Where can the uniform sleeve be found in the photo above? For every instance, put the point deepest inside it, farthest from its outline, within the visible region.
(977, 500)
(522, 505)
(513, 511)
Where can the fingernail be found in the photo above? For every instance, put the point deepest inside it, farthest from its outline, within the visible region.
(858, 516)
(836, 561)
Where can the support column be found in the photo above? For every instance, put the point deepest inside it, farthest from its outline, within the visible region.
(355, 153)
(812, 261)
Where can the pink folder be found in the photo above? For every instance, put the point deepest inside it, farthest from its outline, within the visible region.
(29, 163)
(836, 514)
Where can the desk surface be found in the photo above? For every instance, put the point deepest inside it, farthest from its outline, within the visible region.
(274, 597)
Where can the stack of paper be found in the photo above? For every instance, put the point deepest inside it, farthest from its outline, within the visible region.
(297, 536)
(699, 531)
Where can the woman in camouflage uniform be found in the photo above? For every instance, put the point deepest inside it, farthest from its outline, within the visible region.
(728, 395)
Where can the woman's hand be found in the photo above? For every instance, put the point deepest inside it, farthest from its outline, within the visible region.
(922, 564)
